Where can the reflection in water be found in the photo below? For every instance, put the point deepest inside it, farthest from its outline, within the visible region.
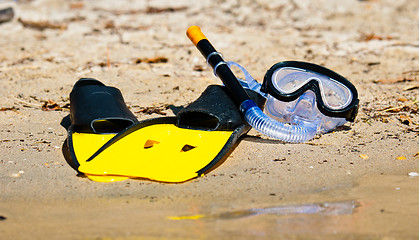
(326, 208)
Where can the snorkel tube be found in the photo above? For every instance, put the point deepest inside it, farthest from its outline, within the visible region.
(252, 113)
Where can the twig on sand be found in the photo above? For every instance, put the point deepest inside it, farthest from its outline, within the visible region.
(399, 107)
(26, 104)
(42, 25)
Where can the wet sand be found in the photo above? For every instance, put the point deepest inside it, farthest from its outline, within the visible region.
(372, 43)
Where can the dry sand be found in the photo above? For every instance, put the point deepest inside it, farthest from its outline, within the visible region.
(375, 44)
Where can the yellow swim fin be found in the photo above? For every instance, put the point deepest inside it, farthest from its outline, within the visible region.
(174, 149)
(161, 151)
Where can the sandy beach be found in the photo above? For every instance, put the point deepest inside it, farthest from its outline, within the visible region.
(357, 176)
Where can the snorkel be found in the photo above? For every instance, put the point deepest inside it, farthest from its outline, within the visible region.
(251, 112)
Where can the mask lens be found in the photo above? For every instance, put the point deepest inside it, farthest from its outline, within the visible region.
(335, 95)
(288, 80)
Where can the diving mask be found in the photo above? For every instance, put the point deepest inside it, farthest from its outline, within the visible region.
(305, 95)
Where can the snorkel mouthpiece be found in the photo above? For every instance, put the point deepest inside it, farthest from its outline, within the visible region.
(272, 128)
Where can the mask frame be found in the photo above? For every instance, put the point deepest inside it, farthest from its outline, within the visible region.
(348, 112)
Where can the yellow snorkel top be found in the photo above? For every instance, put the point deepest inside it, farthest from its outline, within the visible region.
(195, 34)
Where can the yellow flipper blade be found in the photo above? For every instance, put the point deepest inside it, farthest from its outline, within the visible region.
(161, 152)
(85, 145)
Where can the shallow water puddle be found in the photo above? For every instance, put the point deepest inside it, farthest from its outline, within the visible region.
(327, 208)
(383, 207)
